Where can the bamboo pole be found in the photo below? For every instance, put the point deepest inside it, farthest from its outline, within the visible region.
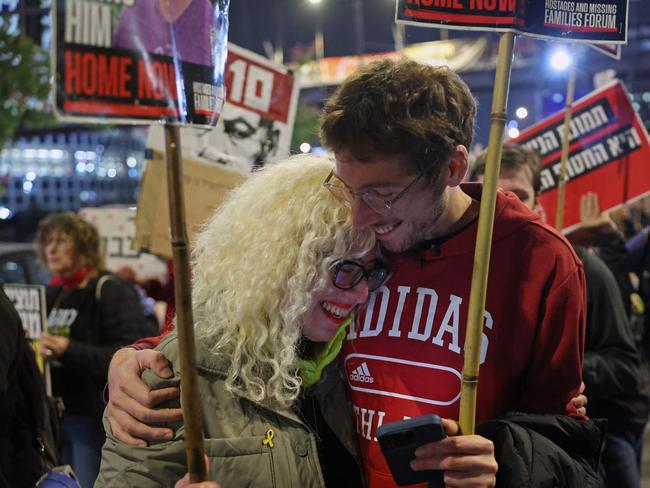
(184, 319)
(469, 383)
(566, 129)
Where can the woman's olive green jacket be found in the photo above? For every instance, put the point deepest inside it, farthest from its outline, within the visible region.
(235, 430)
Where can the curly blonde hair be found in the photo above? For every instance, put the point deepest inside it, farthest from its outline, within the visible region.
(257, 264)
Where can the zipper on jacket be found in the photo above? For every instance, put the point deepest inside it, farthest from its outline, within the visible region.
(313, 429)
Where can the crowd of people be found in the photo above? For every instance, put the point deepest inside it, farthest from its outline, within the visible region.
(330, 295)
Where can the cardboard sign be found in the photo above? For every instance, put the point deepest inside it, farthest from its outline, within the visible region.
(609, 152)
(205, 186)
(139, 60)
(256, 122)
(29, 301)
(116, 226)
(570, 20)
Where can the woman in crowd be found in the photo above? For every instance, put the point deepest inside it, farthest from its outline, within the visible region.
(278, 271)
(91, 313)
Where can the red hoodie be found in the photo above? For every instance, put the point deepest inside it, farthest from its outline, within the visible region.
(404, 356)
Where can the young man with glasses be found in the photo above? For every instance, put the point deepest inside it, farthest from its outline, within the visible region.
(400, 132)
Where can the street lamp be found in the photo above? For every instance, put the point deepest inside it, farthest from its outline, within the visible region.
(319, 43)
(359, 30)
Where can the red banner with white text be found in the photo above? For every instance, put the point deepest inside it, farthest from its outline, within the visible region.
(609, 152)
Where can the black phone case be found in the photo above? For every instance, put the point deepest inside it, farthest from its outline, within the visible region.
(398, 441)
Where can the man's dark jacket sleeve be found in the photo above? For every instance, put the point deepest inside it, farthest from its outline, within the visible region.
(540, 451)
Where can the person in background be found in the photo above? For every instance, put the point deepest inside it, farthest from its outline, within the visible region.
(612, 364)
(91, 313)
(156, 289)
(22, 405)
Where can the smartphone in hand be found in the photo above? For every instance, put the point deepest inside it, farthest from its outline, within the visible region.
(398, 442)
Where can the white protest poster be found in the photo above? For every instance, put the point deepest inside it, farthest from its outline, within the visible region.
(256, 123)
(116, 228)
(29, 301)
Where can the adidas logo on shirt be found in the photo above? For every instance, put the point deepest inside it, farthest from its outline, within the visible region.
(362, 374)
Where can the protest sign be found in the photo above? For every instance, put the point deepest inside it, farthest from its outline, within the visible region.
(140, 60)
(29, 301)
(611, 50)
(206, 184)
(256, 122)
(571, 20)
(116, 226)
(609, 152)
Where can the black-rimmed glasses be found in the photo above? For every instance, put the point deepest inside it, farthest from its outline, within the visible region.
(370, 198)
(348, 274)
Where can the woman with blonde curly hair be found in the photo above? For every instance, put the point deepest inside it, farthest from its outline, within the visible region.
(277, 272)
(85, 326)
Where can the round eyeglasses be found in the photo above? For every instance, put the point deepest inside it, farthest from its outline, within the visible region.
(348, 274)
(370, 198)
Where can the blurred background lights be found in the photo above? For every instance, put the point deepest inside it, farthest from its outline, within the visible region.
(521, 112)
(27, 186)
(30, 176)
(5, 213)
(560, 60)
(305, 147)
(513, 132)
(131, 162)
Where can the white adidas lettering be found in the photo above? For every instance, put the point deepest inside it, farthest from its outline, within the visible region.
(362, 374)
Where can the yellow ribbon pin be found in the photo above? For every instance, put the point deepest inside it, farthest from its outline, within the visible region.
(269, 438)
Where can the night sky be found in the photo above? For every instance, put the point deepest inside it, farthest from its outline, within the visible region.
(293, 22)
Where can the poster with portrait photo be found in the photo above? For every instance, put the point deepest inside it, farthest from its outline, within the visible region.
(139, 60)
(256, 122)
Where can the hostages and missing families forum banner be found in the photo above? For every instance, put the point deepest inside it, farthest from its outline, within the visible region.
(571, 20)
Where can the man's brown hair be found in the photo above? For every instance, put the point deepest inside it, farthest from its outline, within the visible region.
(84, 235)
(402, 108)
(513, 157)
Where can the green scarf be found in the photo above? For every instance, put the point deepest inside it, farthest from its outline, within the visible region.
(311, 369)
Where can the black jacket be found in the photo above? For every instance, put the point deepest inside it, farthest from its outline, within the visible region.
(540, 451)
(96, 328)
(611, 368)
(21, 404)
